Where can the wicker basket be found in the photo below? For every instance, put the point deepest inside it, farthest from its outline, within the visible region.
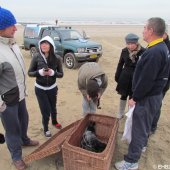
(53, 145)
(76, 158)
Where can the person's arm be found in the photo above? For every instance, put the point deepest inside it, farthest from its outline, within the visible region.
(32, 71)
(59, 72)
(119, 67)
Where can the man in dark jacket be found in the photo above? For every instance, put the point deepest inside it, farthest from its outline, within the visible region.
(166, 88)
(150, 76)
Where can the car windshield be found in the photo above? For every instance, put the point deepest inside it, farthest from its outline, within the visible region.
(70, 35)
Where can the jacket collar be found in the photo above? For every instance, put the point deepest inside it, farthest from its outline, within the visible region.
(155, 42)
(7, 41)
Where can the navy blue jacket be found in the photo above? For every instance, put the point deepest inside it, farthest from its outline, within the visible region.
(151, 73)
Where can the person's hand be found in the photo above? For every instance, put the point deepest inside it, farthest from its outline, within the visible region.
(99, 95)
(131, 103)
(51, 72)
(88, 97)
(41, 72)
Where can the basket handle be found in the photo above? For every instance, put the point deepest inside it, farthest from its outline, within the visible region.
(82, 161)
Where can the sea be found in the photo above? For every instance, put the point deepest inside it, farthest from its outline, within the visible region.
(87, 21)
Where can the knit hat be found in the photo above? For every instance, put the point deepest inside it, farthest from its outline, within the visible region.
(7, 19)
(131, 38)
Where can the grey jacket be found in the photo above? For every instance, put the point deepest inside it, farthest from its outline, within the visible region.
(12, 69)
(89, 71)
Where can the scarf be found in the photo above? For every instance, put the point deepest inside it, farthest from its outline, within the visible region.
(133, 54)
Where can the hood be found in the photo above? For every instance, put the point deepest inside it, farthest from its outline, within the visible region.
(50, 40)
(80, 43)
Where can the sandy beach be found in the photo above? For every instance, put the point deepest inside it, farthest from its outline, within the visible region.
(69, 103)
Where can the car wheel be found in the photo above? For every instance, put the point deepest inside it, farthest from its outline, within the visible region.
(33, 51)
(70, 61)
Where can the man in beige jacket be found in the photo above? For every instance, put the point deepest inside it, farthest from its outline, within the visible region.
(92, 82)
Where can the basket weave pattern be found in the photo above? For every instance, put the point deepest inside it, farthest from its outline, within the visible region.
(76, 158)
(51, 146)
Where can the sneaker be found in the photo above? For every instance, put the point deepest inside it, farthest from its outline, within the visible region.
(123, 165)
(20, 165)
(31, 143)
(47, 134)
(57, 125)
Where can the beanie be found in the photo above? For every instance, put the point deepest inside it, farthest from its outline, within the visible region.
(131, 38)
(7, 19)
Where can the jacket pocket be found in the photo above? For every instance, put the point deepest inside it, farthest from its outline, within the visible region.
(11, 97)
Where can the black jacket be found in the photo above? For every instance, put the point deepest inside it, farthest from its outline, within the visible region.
(124, 72)
(166, 88)
(38, 63)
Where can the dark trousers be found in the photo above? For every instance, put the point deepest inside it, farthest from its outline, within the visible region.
(47, 100)
(143, 116)
(157, 116)
(15, 123)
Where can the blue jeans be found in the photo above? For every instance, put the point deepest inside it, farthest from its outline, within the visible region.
(88, 107)
(15, 122)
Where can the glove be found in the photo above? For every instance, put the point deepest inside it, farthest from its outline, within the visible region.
(41, 72)
(51, 72)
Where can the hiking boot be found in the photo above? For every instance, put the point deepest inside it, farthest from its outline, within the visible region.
(123, 165)
(47, 134)
(31, 143)
(20, 165)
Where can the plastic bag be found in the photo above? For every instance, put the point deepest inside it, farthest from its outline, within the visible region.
(127, 134)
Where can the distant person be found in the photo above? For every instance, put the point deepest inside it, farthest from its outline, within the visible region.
(125, 69)
(92, 82)
(14, 115)
(46, 67)
(149, 79)
(56, 21)
(166, 88)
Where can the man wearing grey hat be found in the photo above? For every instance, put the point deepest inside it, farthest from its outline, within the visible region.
(13, 109)
(150, 76)
(125, 69)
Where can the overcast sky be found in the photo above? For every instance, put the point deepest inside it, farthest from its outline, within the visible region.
(88, 9)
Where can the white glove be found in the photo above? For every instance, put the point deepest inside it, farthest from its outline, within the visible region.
(41, 72)
(51, 72)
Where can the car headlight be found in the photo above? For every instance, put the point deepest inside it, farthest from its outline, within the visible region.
(100, 48)
(81, 50)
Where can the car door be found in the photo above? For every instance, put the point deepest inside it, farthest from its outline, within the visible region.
(57, 40)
